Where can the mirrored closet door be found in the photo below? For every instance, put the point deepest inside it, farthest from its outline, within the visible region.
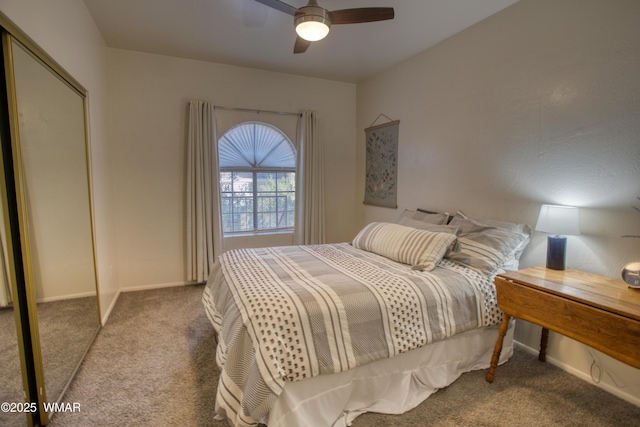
(53, 218)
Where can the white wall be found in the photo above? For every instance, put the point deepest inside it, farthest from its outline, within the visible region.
(536, 104)
(66, 31)
(148, 114)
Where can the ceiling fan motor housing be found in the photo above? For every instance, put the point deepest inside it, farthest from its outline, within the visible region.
(312, 14)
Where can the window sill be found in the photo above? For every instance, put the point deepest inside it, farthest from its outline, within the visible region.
(257, 233)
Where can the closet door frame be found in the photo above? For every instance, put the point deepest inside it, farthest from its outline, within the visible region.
(15, 270)
(23, 231)
(16, 218)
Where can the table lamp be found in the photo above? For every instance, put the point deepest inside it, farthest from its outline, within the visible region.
(557, 220)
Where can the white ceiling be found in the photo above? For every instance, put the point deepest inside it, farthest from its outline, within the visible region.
(250, 34)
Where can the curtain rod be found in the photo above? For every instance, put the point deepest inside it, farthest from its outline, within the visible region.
(249, 110)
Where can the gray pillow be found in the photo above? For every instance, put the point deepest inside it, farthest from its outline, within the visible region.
(484, 247)
(512, 262)
(417, 219)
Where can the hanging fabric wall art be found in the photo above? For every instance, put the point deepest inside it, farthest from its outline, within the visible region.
(381, 182)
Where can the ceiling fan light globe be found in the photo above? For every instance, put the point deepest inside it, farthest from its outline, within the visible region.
(312, 30)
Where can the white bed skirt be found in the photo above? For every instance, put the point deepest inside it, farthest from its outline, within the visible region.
(390, 386)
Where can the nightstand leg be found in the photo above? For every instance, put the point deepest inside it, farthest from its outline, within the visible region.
(498, 348)
(544, 338)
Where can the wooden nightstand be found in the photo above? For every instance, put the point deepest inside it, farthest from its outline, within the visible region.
(598, 311)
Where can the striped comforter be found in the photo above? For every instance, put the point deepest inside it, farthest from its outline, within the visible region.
(290, 313)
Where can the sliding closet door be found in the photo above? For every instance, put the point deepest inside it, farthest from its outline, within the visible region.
(52, 187)
(18, 384)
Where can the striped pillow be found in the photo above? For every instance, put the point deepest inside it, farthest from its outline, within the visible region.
(512, 262)
(484, 247)
(408, 245)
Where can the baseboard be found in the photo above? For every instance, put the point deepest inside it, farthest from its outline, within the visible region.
(157, 286)
(635, 400)
(64, 297)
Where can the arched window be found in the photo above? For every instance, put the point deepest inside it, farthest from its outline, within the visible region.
(257, 178)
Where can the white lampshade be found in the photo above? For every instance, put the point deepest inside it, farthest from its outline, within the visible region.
(558, 220)
(312, 30)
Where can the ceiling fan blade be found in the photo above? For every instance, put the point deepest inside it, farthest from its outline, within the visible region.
(301, 45)
(278, 5)
(363, 14)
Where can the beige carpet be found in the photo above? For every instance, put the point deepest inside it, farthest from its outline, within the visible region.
(66, 328)
(153, 364)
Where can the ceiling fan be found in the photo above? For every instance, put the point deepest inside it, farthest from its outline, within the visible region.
(312, 22)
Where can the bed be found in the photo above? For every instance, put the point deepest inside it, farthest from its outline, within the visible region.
(318, 334)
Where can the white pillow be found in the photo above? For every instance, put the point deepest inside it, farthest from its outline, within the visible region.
(419, 248)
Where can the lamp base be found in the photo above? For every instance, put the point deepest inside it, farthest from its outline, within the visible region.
(556, 252)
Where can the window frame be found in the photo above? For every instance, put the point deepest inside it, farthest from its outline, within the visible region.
(255, 192)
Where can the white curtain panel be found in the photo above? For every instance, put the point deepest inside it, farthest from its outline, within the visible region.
(203, 215)
(310, 226)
